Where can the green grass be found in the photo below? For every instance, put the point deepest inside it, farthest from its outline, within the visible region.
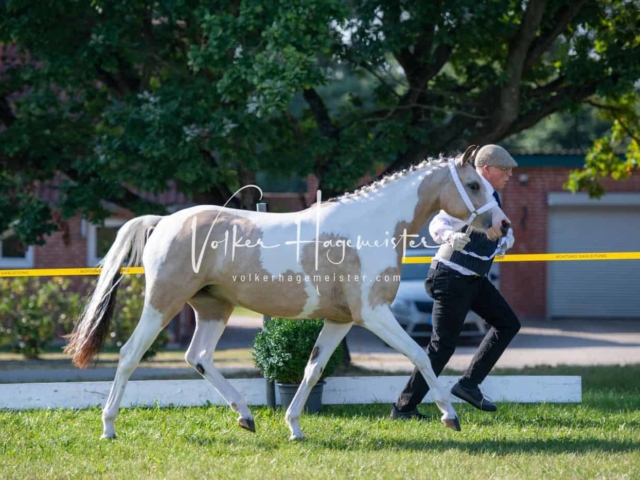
(163, 359)
(245, 312)
(599, 438)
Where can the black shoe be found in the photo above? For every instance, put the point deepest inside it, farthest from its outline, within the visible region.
(398, 415)
(474, 397)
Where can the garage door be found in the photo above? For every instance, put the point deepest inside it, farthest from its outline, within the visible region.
(594, 289)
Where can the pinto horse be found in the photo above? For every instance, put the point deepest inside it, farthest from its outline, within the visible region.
(338, 260)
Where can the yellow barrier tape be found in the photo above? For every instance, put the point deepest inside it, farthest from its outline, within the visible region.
(64, 272)
(526, 257)
(549, 257)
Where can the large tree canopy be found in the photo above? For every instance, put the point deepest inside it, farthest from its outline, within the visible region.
(111, 99)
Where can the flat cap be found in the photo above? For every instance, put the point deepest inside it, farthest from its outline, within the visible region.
(494, 156)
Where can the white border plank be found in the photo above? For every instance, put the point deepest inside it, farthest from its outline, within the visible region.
(337, 391)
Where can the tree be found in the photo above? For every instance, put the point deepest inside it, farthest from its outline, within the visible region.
(111, 99)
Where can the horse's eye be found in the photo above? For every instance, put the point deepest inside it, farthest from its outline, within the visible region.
(474, 186)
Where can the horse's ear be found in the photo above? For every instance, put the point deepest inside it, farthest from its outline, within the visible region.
(468, 155)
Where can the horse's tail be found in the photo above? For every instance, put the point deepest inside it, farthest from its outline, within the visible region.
(92, 326)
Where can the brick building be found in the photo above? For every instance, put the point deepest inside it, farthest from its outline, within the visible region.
(548, 219)
(545, 219)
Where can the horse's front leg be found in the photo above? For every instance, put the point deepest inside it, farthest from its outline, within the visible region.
(330, 337)
(380, 321)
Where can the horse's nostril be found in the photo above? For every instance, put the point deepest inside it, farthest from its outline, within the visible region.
(505, 228)
(506, 223)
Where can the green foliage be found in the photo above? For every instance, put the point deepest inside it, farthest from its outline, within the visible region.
(129, 304)
(109, 99)
(31, 309)
(281, 351)
(577, 130)
(615, 155)
(594, 439)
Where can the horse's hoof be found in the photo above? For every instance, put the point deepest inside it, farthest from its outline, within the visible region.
(452, 423)
(108, 437)
(247, 424)
(297, 438)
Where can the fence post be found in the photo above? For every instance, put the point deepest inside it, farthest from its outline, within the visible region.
(271, 386)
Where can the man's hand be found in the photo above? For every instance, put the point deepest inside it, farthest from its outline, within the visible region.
(458, 240)
(510, 239)
(506, 243)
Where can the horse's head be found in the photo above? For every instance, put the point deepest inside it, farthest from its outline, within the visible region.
(491, 220)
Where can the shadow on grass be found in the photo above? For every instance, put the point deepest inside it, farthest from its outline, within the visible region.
(472, 447)
(493, 447)
(223, 440)
(558, 416)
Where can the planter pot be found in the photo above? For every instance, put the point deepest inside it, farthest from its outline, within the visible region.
(288, 391)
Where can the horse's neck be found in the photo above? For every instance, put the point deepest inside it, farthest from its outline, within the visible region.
(410, 198)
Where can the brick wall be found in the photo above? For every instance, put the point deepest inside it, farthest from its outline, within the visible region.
(56, 254)
(524, 284)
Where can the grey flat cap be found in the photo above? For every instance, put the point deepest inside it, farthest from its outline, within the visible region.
(494, 156)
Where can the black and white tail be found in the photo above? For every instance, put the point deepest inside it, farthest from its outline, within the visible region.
(93, 325)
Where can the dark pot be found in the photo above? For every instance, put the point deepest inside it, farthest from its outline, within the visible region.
(288, 391)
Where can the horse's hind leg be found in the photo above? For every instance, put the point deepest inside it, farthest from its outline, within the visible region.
(330, 337)
(151, 324)
(382, 322)
(211, 319)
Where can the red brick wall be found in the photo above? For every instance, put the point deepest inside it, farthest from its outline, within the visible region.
(55, 254)
(524, 284)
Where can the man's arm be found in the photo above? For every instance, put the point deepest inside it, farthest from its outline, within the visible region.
(443, 228)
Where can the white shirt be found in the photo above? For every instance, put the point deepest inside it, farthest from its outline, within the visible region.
(444, 225)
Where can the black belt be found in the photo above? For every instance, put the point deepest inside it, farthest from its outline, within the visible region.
(437, 265)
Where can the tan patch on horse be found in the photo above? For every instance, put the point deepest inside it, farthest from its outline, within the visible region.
(224, 276)
(338, 285)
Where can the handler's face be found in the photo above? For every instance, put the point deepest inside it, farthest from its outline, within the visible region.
(498, 177)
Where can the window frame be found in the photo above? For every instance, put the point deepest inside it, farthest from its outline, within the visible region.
(92, 238)
(7, 262)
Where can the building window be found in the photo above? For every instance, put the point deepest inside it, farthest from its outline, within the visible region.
(273, 184)
(100, 238)
(13, 254)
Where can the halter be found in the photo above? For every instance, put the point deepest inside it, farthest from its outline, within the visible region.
(467, 201)
(474, 211)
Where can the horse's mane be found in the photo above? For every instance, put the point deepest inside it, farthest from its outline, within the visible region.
(391, 177)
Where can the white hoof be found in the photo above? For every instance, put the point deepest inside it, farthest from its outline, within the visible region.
(296, 437)
(108, 437)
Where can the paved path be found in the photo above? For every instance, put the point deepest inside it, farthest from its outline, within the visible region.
(562, 342)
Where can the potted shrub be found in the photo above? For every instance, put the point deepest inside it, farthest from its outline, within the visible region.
(281, 352)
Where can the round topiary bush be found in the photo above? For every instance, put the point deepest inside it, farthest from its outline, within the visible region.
(281, 351)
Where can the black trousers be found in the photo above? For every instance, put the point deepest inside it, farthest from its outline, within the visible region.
(454, 295)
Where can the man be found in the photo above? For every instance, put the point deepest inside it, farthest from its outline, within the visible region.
(457, 281)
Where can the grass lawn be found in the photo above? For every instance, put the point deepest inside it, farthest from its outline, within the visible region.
(244, 312)
(599, 438)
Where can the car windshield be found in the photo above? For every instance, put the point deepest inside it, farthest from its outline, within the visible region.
(414, 271)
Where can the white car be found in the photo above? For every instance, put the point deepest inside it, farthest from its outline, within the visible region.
(412, 306)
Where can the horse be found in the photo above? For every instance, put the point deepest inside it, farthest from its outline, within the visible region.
(339, 260)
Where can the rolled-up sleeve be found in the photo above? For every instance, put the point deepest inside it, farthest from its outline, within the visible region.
(443, 225)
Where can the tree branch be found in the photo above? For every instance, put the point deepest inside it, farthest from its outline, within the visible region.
(6, 114)
(548, 89)
(321, 114)
(509, 102)
(440, 57)
(616, 112)
(390, 113)
(122, 83)
(541, 44)
(128, 199)
(553, 105)
(440, 138)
